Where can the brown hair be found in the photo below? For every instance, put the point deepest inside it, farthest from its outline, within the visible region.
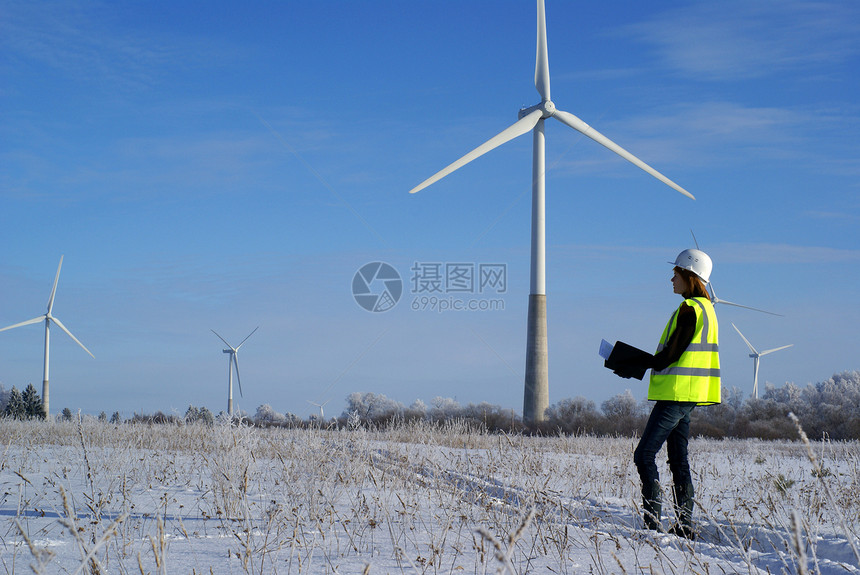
(693, 285)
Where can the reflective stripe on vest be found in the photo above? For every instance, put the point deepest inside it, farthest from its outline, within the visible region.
(695, 371)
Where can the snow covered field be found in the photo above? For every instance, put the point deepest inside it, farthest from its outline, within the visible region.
(89, 497)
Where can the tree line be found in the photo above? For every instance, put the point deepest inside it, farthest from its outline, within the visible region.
(17, 405)
(828, 409)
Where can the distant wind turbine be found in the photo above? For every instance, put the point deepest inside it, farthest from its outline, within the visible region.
(536, 392)
(320, 405)
(756, 355)
(233, 360)
(48, 318)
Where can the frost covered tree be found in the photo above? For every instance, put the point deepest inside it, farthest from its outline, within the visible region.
(623, 413)
(372, 407)
(623, 405)
(199, 415)
(266, 414)
(292, 419)
(719, 420)
(418, 410)
(766, 417)
(67, 414)
(15, 405)
(191, 414)
(833, 407)
(577, 415)
(116, 419)
(490, 416)
(445, 409)
(205, 416)
(33, 407)
(4, 398)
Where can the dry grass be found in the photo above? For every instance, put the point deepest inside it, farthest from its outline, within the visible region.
(413, 499)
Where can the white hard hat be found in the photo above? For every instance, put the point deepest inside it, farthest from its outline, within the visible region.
(695, 261)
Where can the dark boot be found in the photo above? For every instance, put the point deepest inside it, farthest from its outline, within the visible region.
(652, 506)
(684, 510)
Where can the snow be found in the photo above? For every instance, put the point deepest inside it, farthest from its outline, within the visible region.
(413, 499)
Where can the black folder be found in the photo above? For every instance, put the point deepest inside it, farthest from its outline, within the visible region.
(626, 361)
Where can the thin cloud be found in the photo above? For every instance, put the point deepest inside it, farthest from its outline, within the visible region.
(736, 39)
(836, 217)
(89, 42)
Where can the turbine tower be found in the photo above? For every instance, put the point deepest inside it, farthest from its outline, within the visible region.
(233, 360)
(48, 318)
(756, 355)
(536, 392)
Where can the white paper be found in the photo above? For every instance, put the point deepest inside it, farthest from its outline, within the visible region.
(605, 349)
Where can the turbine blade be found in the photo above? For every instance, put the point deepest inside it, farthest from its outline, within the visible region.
(519, 128)
(542, 58)
(776, 349)
(695, 241)
(587, 130)
(68, 333)
(718, 300)
(749, 345)
(28, 322)
(238, 379)
(54, 289)
(246, 339)
(221, 338)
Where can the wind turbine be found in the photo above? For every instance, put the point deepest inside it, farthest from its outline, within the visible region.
(48, 318)
(233, 360)
(536, 393)
(320, 405)
(756, 355)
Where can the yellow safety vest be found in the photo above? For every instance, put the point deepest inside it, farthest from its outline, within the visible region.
(696, 375)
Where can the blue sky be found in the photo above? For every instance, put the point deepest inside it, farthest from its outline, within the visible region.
(206, 165)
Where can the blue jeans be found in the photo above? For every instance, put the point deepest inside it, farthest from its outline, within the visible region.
(668, 423)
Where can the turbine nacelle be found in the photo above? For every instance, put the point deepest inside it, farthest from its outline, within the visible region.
(547, 108)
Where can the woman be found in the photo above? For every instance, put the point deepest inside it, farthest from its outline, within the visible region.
(685, 372)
